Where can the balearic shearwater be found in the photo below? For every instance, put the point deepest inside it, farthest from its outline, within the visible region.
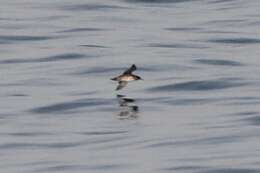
(125, 77)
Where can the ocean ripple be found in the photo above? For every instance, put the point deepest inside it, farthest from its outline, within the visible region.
(88, 7)
(59, 57)
(203, 85)
(235, 40)
(220, 62)
(5, 39)
(70, 105)
(160, 1)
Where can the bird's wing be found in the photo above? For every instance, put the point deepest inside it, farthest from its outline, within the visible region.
(121, 85)
(130, 70)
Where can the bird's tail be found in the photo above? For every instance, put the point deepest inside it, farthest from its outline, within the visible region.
(115, 78)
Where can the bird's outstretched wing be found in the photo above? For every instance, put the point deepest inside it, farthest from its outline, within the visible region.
(121, 85)
(130, 70)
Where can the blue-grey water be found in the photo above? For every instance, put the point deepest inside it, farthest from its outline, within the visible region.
(197, 110)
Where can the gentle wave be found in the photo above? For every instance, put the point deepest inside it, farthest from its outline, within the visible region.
(200, 169)
(185, 168)
(196, 141)
(203, 85)
(26, 134)
(27, 145)
(220, 62)
(81, 30)
(60, 145)
(100, 133)
(89, 7)
(93, 46)
(183, 29)
(232, 170)
(77, 167)
(71, 105)
(161, 1)
(177, 45)
(191, 101)
(241, 41)
(5, 39)
(59, 57)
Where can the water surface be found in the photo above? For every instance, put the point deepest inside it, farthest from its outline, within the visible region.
(197, 109)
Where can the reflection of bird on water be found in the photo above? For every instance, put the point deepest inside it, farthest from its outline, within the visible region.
(128, 111)
(126, 77)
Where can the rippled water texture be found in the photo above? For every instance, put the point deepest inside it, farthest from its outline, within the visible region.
(196, 111)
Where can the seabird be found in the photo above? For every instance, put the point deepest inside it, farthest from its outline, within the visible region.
(126, 77)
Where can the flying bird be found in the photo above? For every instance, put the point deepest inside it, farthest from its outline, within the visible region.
(126, 77)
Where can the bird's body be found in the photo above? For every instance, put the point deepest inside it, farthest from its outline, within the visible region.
(126, 77)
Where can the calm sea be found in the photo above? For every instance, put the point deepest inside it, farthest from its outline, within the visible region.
(197, 110)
